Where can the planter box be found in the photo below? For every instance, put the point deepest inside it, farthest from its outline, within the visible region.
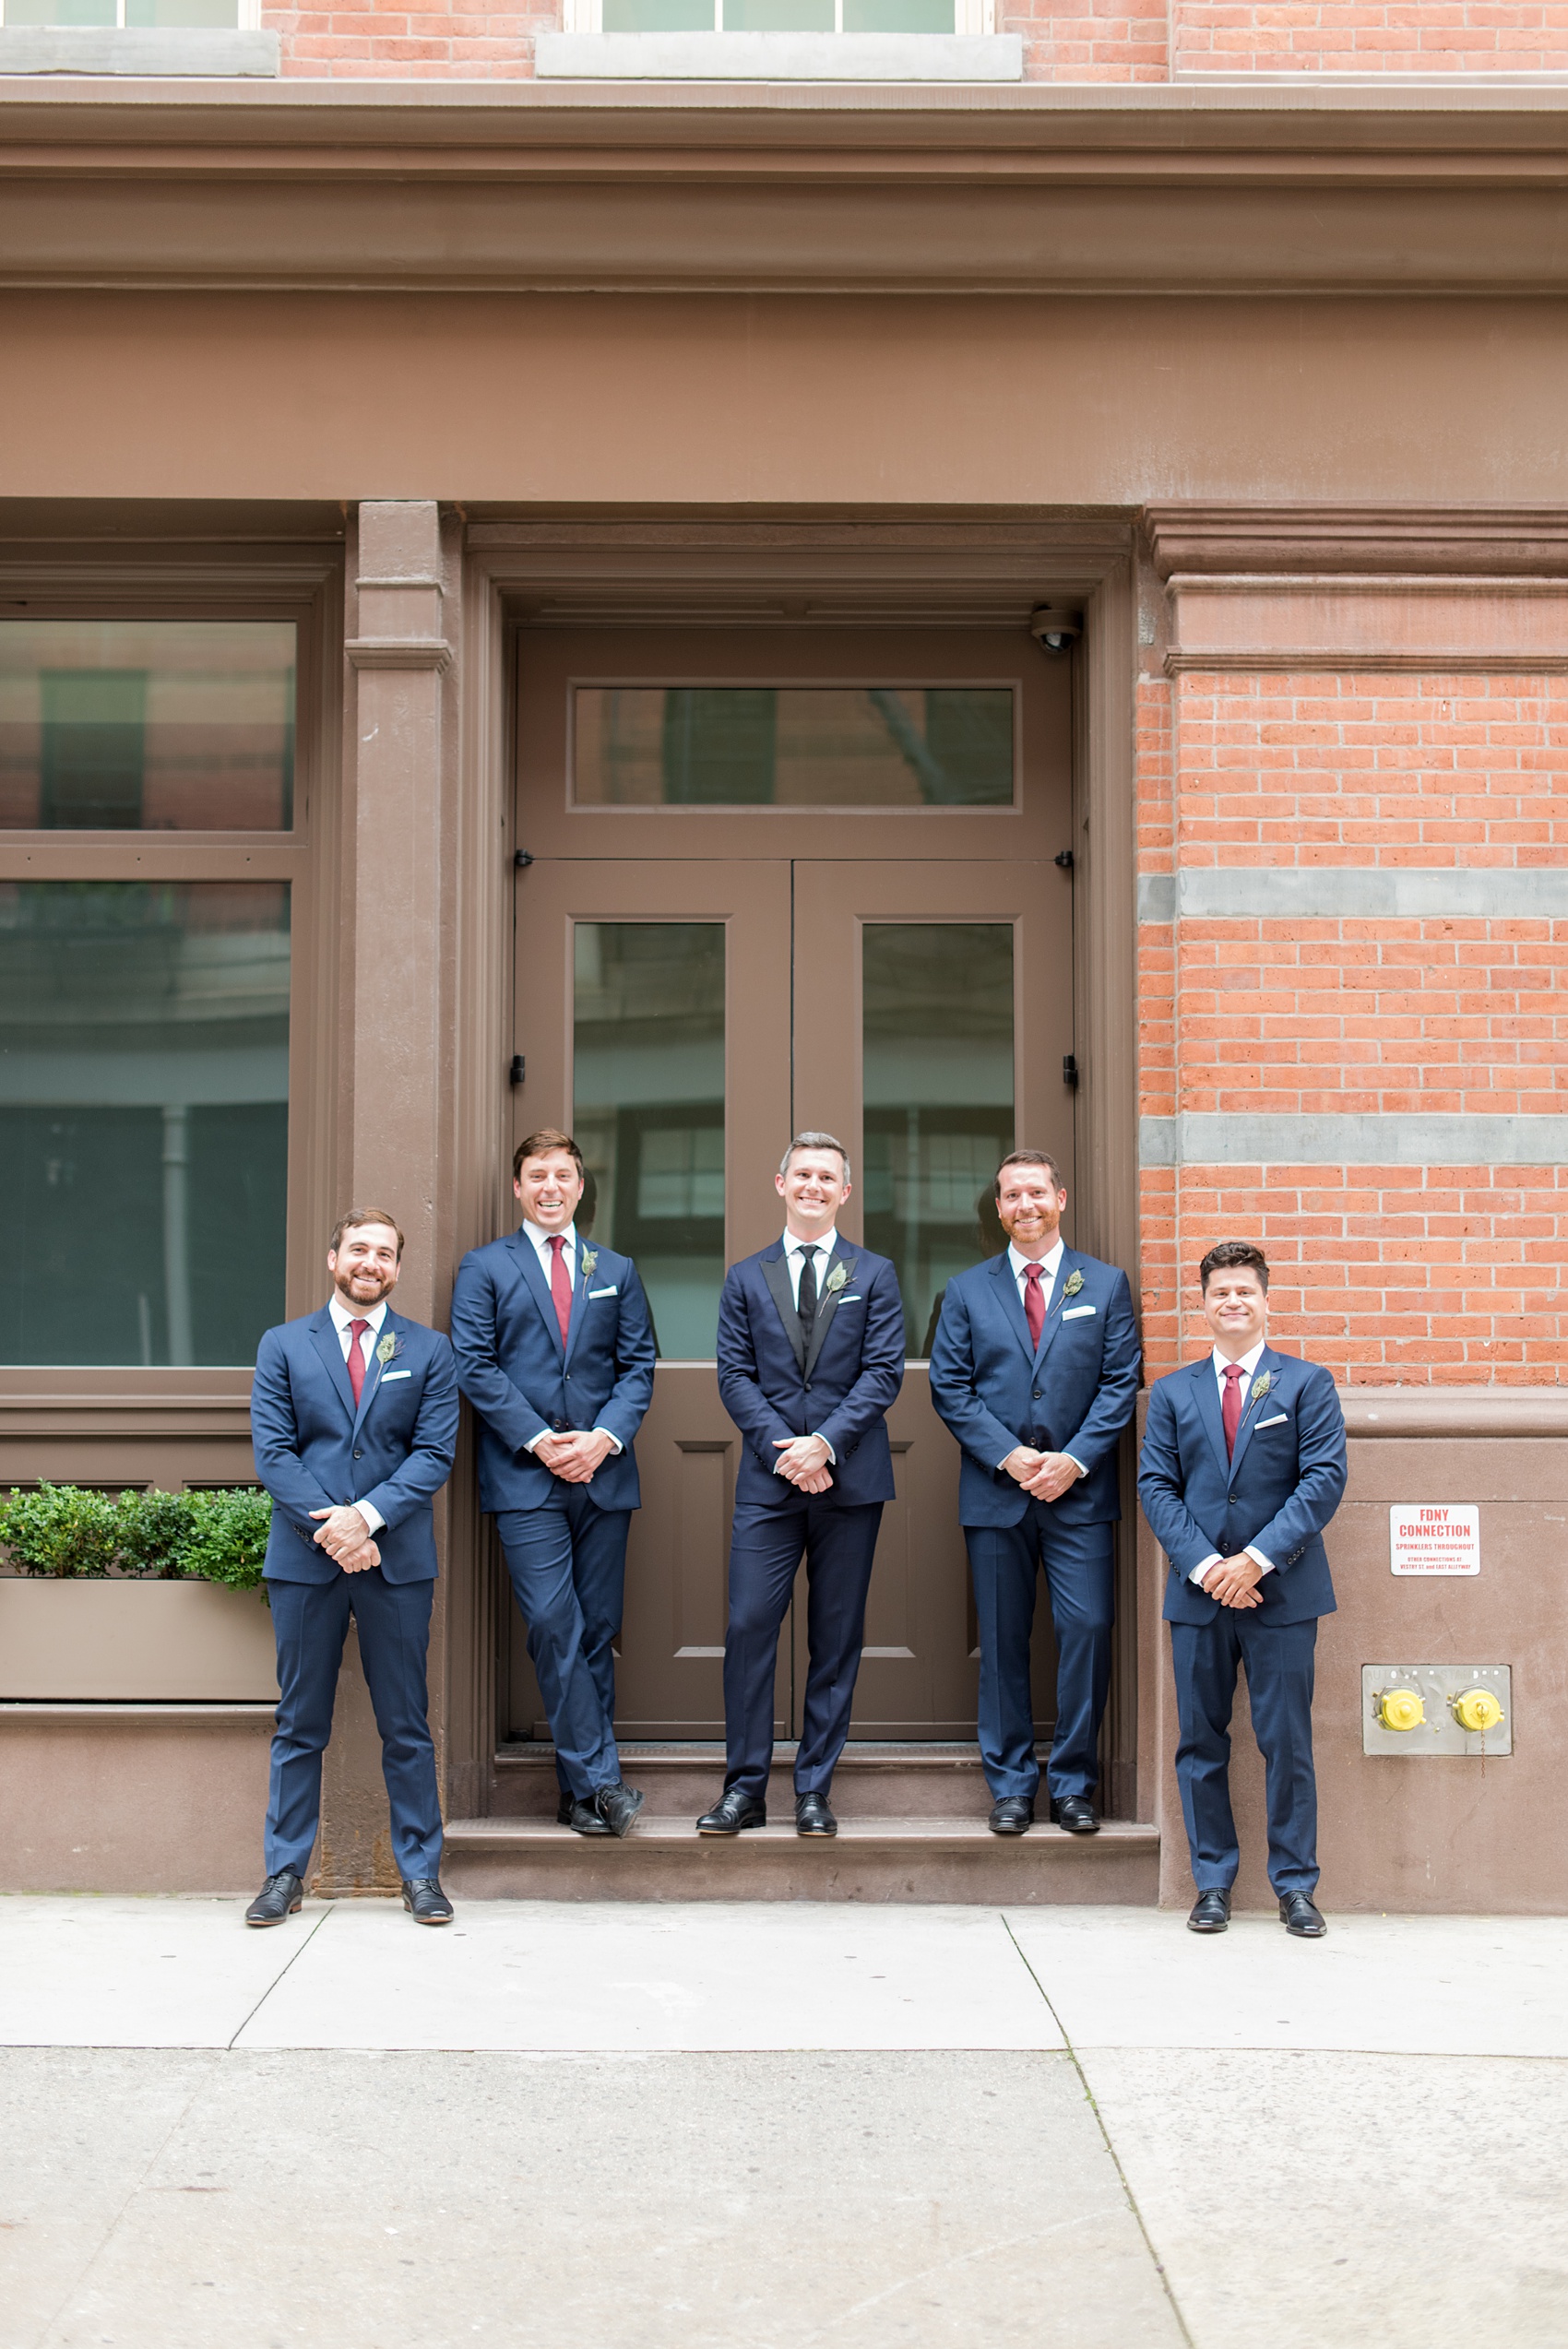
(92, 1643)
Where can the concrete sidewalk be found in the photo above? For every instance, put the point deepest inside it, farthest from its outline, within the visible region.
(638, 2127)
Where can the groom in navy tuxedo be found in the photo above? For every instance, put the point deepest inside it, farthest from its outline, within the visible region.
(1243, 1466)
(1035, 1369)
(555, 1352)
(811, 1359)
(354, 1424)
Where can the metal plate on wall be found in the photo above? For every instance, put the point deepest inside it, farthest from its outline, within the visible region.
(1437, 1686)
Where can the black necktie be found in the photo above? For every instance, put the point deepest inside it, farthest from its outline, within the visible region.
(808, 1294)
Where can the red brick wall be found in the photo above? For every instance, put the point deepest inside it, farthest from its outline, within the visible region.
(1119, 41)
(1363, 36)
(441, 41)
(1447, 1275)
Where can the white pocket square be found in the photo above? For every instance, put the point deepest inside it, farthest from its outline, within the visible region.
(604, 1292)
(1278, 1420)
(386, 1376)
(851, 1297)
(1075, 1313)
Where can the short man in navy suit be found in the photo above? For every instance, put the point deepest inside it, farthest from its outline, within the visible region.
(1243, 1466)
(1035, 1369)
(811, 1359)
(555, 1352)
(354, 1421)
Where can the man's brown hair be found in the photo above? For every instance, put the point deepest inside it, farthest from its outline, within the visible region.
(1027, 1158)
(358, 1215)
(534, 1145)
(1229, 1256)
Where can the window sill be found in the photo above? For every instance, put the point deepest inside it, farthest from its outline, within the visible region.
(199, 51)
(780, 57)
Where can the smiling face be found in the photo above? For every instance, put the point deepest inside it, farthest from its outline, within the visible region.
(365, 1267)
(1029, 1206)
(813, 1188)
(548, 1188)
(1236, 1309)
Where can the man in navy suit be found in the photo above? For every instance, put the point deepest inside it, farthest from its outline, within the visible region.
(811, 1359)
(1243, 1466)
(1035, 1369)
(555, 1352)
(354, 1421)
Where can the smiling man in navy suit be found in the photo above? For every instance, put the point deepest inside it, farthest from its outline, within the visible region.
(1243, 1465)
(1035, 1369)
(811, 1359)
(354, 1422)
(555, 1352)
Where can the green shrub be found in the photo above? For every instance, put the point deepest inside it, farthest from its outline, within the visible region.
(72, 1534)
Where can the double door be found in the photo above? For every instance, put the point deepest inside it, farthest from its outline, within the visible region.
(682, 1017)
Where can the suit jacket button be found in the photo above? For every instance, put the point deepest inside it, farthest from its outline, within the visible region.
(359, 1455)
(1036, 1394)
(808, 1386)
(1231, 1502)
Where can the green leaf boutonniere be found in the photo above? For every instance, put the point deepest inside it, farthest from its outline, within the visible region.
(837, 1279)
(1075, 1282)
(589, 1259)
(385, 1350)
(1260, 1387)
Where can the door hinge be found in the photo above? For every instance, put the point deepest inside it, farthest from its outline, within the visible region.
(519, 1068)
(1063, 856)
(524, 857)
(1070, 1070)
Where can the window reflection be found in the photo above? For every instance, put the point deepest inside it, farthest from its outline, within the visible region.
(938, 1071)
(143, 1111)
(648, 1111)
(146, 725)
(840, 747)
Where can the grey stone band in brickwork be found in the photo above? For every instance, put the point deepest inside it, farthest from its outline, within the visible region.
(780, 57)
(210, 54)
(1203, 1139)
(1352, 893)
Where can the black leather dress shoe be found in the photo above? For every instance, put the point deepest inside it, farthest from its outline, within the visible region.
(1012, 1815)
(1211, 1912)
(425, 1901)
(814, 1815)
(732, 1814)
(580, 1817)
(1299, 1916)
(618, 1807)
(1075, 1812)
(278, 1898)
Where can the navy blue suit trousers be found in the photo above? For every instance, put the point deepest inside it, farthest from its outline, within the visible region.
(1080, 1577)
(1278, 1660)
(567, 1562)
(311, 1622)
(765, 1546)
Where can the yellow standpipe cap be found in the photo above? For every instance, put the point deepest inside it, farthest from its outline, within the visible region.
(1476, 1709)
(1401, 1709)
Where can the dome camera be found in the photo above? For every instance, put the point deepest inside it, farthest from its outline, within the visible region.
(1054, 627)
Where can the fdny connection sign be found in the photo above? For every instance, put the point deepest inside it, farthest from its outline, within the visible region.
(1426, 1539)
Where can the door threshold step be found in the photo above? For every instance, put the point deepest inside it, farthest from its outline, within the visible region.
(888, 1780)
(905, 1858)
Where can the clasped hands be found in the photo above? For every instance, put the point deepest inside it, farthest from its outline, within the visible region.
(574, 1456)
(1045, 1476)
(804, 1462)
(347, 1539)
(1234, 1581)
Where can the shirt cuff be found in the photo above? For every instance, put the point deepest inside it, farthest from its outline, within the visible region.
(370, 1514)
(534, 1441)
(1077, 1463)
(1201, 1568)
(613, 1441)
(1266, 1563)
(831, 1453)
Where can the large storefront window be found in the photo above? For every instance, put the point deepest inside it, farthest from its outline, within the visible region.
(144, 1108)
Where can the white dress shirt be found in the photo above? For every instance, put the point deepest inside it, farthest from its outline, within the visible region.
(341, 1321)
(542, 1240)
(795, 1254)
(1049, 1265)
(1249, 1363)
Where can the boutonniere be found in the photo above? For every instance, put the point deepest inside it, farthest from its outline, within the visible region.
(1075, 1282)
(389, 1346)
(589, 1259)
(837, 1279)
(1261, 1387)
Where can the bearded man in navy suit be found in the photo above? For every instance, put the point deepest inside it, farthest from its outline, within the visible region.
(811, 1359)
(1243, 1466)
(1035, 1369)
(354, 1422)
(555, 1352)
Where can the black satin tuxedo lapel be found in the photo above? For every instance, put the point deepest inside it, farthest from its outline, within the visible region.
(776, 1273)
(827, 1303)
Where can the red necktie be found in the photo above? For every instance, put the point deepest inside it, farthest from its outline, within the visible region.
(356, 1358)
(1034, 1302)
(1231, 1409)
(560, 1282)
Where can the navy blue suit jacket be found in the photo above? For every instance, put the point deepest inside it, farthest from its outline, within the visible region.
(522, 1382)
(1279, 1490)
(314, 1451)
(842, 1388)
(1074, 1392)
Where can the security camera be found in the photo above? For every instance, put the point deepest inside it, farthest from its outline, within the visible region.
(1054, 627)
